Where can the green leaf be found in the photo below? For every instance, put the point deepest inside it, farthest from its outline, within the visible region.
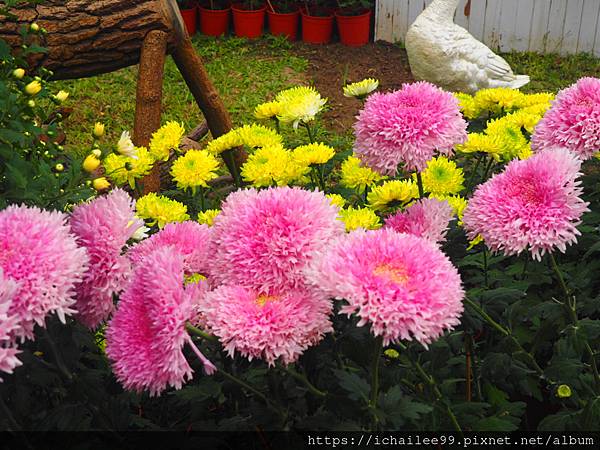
(357, 387)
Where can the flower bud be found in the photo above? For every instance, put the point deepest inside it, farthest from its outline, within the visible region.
(31, 104)
(19, 73)
(62, 96)
(98, 129)
(59, 167)
(391, 353)
(34, 27)
(33, 88)
(563, 391)
(90, 163)
(97, 153)
(100, 184)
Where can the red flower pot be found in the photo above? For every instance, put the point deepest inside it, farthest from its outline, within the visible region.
(317, 29)
(284, 24)
(354, 30)
(214, 22)
(248, 23)
(189, 18)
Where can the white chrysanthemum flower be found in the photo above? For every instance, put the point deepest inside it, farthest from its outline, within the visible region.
(299, 104)
(125, 146)
(361, 89)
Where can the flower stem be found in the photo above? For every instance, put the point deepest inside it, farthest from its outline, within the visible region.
(572, 312)
(200, 333)
(232, 167)
(309, 132)
(474, 171)
(375, 371)
(420, 184)
(302, 378)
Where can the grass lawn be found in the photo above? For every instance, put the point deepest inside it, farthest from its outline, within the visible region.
(248, 72)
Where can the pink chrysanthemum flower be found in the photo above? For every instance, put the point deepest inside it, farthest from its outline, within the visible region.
(534, 203)
(573, 122)
(38, 251)
(189, 238)
(428, 218)
(270, 327)
(103, 226)
(403, 285)
(146, 335)
(9, 324)
(264, 239)
(408, 126)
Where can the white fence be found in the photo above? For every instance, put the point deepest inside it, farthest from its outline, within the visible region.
(545, 26)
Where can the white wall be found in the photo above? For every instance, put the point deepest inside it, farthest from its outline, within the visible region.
(545, 26)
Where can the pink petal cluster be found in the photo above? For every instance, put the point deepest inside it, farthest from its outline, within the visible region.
(9, 324)
(402, 285)
(146, 335)
(534, 203)
(428, 218)
(263, 240)
(190, 239)
(408, 126)
(38, 251)
(573, 122)
(103, 226)
(270, 327)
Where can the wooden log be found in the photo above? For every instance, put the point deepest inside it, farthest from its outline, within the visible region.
(149, 98)
(219, 122)
(90, 37)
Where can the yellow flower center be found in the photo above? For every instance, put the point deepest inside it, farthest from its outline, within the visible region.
(397, 273)
(262, 299)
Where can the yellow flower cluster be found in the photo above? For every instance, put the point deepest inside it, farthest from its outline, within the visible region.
(165, 139)
(498, 100)
(123, 169)
(356, 176)
(392, 194)
(442, 177)
(317, 153)
(194, 169)
(355, 218)
(299, 105)
(253, 136)
(160, 210)
(208, 217)
(272, 165)
(268, 110)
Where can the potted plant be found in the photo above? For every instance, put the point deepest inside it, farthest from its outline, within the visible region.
(214, 17)
(248, 18)
(188, 13)
(317, 22)
(354, 21)
(283, 18)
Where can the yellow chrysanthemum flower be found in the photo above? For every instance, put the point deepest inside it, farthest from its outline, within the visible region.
(271, 165)
(497, 99)
(160, 210)
(355, 218)
(467, 105)
(194, 169)
(391, 194)
(508, 138)
(361, 89)
(442, 177)
(317, 153)
(542, 99)
(165, 139)
(224, 142)
(258, 136)
(208, 217)
(337, 200)
(123, 169)
(299, 104)
(356, 176)
(267, 110)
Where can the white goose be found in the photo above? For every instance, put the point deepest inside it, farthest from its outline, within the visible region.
(443, 53)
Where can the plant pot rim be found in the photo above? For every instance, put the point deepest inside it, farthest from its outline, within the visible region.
(365, 12)
(283, 14)
(330, 16)
(202, 8)
(235, 7)
(187, 9)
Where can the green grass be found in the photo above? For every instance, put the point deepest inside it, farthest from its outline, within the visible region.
(244, 72)
(247, 73)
